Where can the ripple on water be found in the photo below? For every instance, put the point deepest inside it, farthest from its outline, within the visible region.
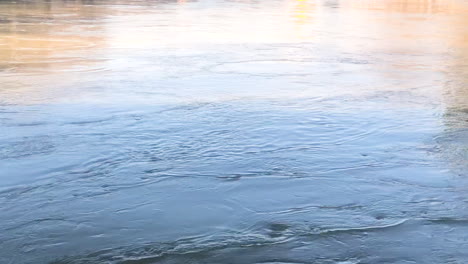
(261, 248)
(233, 132)
(28, 146)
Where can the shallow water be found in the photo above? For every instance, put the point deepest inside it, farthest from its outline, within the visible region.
(283, 131)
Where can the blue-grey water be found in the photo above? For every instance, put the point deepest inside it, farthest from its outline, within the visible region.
(222, 131)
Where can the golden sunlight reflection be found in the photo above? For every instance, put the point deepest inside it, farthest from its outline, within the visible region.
(63, 42)
(48, 34)
(410, 6)
(303, 11)
(303, 14)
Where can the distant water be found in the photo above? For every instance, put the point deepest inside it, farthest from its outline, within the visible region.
(281, 131)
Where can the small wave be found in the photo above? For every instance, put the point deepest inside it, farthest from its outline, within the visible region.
(449, 221)
(27, 147)
(200, 249)
(360, 229)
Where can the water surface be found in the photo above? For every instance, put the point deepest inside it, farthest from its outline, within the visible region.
(217, 131)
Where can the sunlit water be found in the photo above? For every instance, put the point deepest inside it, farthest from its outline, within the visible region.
(282, 131)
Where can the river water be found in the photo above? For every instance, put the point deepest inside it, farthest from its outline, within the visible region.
(224, 131)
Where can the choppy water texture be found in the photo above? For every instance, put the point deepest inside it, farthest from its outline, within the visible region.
(280, 131)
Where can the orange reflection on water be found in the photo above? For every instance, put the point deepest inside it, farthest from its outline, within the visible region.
(45, 34)
(410, 6)
(48, 38)
(303, 11)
